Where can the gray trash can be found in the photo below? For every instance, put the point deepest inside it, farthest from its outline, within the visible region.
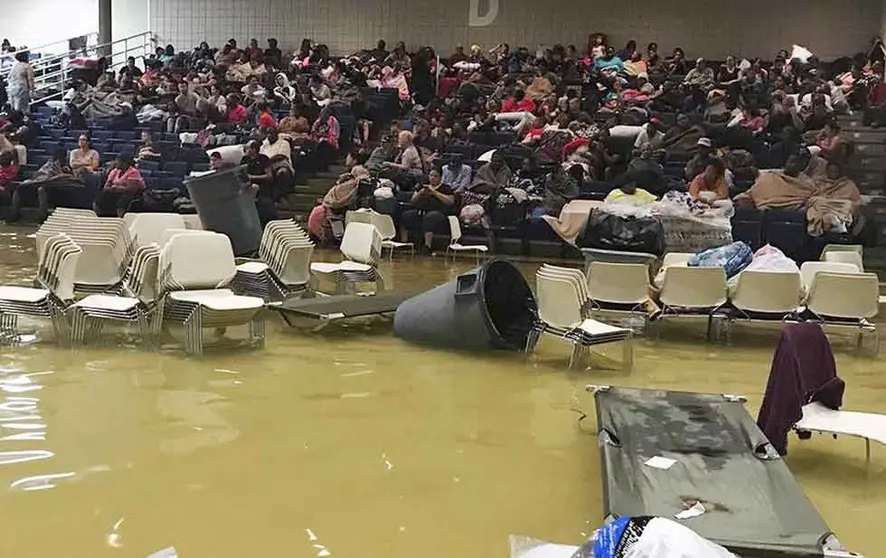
(490, 307)
(226, 206)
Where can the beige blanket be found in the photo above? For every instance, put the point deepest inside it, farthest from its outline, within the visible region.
(573, 219)
(834, 204)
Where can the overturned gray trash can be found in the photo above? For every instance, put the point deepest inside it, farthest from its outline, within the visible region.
(490, 307)
(225, 205)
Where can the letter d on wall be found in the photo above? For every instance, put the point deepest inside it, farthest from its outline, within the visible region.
(475, 19)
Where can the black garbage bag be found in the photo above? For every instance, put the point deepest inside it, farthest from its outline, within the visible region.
(606, 231)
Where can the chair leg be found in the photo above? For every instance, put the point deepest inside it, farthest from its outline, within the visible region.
(627, 349)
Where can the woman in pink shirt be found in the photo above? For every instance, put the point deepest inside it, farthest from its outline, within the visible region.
(124, 183)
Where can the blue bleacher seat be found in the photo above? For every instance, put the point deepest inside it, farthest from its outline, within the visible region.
(49, 146)
(102, 134)
(126, 135)
(177, 168)
(169, 136)
(101, 147)
(120, 146)
(194, 155)
(54, 132)
(149, 165)
(107, 156)
(156, 127)
(71, 145)
(163, 174)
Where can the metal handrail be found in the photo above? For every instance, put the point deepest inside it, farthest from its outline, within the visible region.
(55, 68)
(50, 46)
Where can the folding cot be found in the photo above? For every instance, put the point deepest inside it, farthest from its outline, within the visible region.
(713, 455)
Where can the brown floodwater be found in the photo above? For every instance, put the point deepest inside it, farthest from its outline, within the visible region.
(351, 443)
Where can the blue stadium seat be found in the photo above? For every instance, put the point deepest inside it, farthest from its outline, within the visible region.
(149, 165)
(102, 134)
(126, 135)
(169, 136)
(178, 168)
(50, 146)
(101, 147)
(107, 157)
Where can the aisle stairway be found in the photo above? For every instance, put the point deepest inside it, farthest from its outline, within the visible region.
(867, 168)
(310, 190)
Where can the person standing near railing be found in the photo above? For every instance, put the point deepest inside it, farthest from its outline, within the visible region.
(21, 83)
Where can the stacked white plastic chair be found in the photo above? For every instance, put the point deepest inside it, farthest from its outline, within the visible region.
(105, 242)
(361, 249)
(53, 292)
(194, 270)
(285, 267)
(148, 228)
(386, 228)
(134, 305)
(564, 308)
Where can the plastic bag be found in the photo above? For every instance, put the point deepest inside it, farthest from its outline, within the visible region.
(627, 537)
(732, 258)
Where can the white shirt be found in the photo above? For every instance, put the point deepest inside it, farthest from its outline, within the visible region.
(279, 147)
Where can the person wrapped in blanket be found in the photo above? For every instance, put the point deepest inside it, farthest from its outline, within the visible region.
(335, 203)
(808, 184)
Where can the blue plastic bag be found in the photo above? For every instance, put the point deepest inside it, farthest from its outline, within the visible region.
(732, 258)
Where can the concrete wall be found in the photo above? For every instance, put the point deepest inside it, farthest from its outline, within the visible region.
(39, 22)
(830, 28)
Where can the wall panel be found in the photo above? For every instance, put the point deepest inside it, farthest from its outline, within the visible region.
(703, 28)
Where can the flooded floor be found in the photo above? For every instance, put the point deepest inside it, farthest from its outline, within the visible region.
(351, 443)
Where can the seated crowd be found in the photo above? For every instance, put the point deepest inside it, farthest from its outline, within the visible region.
(626, 126)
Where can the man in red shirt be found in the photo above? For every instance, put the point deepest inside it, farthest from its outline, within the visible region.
(265, 117)
(517, 111)
(518, 103)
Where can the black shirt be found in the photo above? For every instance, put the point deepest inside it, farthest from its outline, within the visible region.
(274, 57)
(725, 75)
(429, 202)
(133, 72)
(256, 166)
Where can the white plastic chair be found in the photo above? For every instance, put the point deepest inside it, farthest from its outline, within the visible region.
(847, 300)
(829, 248)
(148, 228)
(695, 291)
(55, 279)
(361, 250)
(845, 256)
(194, 269)
(767, 295)
(455, 245)
(619, 287)
(560, 313)
(810, 269)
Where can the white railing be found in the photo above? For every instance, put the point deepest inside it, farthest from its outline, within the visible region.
(52, 69)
